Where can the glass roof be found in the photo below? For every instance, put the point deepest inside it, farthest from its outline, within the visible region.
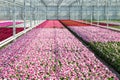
(58, 3)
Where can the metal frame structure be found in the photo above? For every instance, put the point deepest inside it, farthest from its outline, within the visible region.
(80, 5)
(35, 10)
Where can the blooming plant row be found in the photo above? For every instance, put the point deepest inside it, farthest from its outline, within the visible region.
(7, 32)
(105, 43)
(96, 34)
(50, 24)
(74, 23)
(6, 24)
(109, 52)
(51, 54)
(105, 24)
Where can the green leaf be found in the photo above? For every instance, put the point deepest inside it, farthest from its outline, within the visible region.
(62, 78)
(27, 66)
(110, 78)
(54, 68)
(60, 63)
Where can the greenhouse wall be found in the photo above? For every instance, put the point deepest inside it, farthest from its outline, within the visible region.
(72, 12)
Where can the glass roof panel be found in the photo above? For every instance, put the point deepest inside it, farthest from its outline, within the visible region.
(59, 2)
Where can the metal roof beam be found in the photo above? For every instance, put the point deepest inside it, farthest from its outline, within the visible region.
(72, 3)
(59, 2)
(13, 3)
(44, 3)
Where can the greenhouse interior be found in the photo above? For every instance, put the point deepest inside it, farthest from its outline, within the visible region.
(59, 39)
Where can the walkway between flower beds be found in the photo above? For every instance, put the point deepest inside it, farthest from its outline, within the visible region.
(51, 53)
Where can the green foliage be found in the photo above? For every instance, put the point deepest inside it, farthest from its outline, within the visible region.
(109, 51)
(110, 78)
(60, 64)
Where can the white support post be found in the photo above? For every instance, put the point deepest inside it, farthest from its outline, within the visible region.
(117, 7)
(110, 9)
(107, 14)
(14, 18)
(31, 13)
(24, 14)
(86, 13)
(69, 12)
(91, 14)
(81, 9)
(98, 12)
(46, 11)
(57, 11)
(37, 16)
(34, 12)
(78, 9)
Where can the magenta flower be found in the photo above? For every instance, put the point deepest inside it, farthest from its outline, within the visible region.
(51, 53)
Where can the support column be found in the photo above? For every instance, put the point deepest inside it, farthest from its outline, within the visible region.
(14, 18)
(81, 10)
(57, 12)
(46, 12)
(98, 12)
(91, 13)
(107, 14)
(69, 13)
(24, 14)
(31, 13)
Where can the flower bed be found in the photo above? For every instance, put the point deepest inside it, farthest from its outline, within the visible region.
(5, 24)
(73, 23)
(50, 24)
(96, 34)
(7, 32)
(104, 42)
(105, 24)
(56, 56)
(110, 52)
